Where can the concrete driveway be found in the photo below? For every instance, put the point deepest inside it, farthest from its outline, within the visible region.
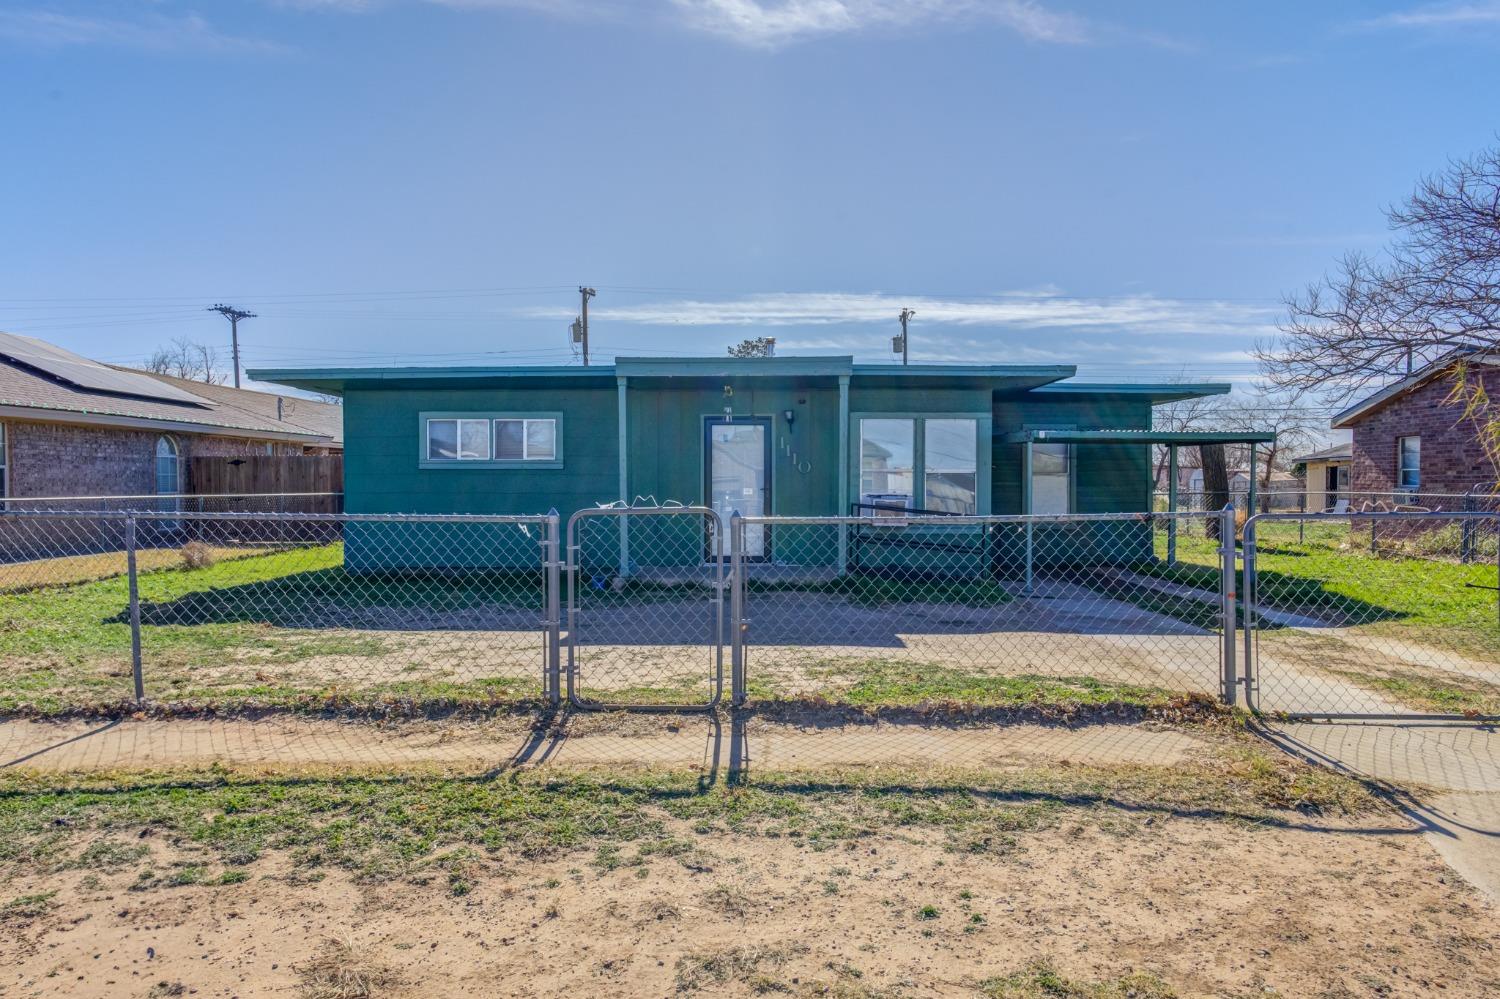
(1459, 765)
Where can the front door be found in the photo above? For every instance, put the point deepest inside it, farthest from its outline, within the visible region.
(738, 464)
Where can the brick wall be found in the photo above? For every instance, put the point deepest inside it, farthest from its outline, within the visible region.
(60, 459)
(1452, 460)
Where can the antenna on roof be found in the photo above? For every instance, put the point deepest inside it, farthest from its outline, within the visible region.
(234, 316)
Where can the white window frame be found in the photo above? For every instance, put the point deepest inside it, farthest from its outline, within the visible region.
(492, 419)
(156, 457)
(525, 422)
(1071, 475)
(927, 468)
(1401, 484)
(982, 463)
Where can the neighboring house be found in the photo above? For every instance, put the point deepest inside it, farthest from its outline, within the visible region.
(1409, 438)
(1327, 475)
(70, 426)
(810, 436)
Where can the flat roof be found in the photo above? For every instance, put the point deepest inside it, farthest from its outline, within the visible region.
(1181, 437)
(1158, 392)
(1041, 378)
(334, 379)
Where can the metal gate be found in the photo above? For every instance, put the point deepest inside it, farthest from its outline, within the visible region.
(646, 608)
(1380, 615)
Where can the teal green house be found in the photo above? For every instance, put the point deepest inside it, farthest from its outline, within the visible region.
(786, 436)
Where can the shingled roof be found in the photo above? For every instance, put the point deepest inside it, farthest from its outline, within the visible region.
(29, 392)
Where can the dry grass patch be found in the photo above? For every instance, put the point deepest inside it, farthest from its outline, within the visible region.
(344, 970)
(734, 964)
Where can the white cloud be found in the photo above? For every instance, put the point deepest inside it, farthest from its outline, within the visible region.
(1445, 15)
(153, 31)
(1021, 310)
(773, 23)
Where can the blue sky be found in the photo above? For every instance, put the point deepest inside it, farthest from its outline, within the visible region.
(1131, 188)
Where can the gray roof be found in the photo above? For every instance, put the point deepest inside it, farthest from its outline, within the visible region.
(1338, 452)
(218, 409)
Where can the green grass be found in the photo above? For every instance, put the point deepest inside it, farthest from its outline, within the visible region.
(881, 683)
(382, 827)
(235, 631)
(1412, 605)
(29, 906)
(1042, 981)
(1446, 694)
(1333, 577)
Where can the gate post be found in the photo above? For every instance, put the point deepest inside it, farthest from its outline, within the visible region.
(135, 610)
(1228, 681)
(737, 693)
(552, 656)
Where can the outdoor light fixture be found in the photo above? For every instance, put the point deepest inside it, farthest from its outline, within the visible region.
(791, 417)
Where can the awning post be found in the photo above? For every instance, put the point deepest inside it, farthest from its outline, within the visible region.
(845, 473)
(1171, 504)
(1026, 508)
(1250, 490)
(624, 445)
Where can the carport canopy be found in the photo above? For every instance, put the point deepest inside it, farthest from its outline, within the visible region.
(1172, 439)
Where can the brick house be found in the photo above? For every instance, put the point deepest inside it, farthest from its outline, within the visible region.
(70, 426)
(1408, 438)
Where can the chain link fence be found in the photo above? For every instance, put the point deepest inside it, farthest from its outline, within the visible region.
(1373, 615)
(979, 610)
(1368, 614)
(284, 610)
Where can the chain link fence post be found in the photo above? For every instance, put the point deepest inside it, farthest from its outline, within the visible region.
(737, 621)
(1229, 688)
(135, 611)
(552, 570)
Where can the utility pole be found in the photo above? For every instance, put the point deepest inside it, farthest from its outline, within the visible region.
(234, 316)
(899, 343)
(586, 294)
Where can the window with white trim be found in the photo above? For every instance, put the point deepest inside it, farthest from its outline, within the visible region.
(888, 462)
(499, 439)
(458, 440)
(525, 440)
(1408, 463)
(168, 478)
(1052, 478)
(950, 467)
(4, 464)
(919, 462)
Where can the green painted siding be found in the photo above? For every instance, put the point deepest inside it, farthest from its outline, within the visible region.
(382, 452)
(1107, 478)
(666, 421)
(383, 448)
(665, 434)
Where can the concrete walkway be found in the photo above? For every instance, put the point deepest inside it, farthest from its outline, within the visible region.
(1459, 763)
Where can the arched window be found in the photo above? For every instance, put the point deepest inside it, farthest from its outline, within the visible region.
(168, 480)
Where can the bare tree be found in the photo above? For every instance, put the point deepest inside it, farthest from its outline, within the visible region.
(1433, 294)
(182, 358)
(756, 346)
(1198, 413)
(1285, 412)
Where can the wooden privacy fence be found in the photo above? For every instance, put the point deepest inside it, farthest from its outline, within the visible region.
(272, 473)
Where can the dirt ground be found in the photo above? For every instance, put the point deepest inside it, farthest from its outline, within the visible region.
(1321, 908)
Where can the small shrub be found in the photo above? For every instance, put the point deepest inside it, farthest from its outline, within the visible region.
(197, 555)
